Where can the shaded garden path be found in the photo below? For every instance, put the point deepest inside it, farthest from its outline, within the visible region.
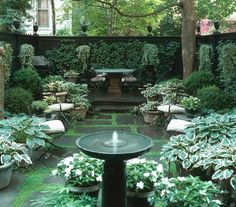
(26, 184)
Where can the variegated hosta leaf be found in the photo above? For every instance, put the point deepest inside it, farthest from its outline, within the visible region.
(182, 155)
(233, 182)
(227, 173)
(217, 174)
(186, 164)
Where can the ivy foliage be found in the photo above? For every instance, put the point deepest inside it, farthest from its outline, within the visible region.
(117, 55)
(64, 58)
(7, 60)
(205, 56)
(227, 65)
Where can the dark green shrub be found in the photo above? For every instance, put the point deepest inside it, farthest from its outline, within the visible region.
(213, 97)
(197, 80)
(64, 58)
(17, 100)
(227, 67)
(205, 56)
(28, 79)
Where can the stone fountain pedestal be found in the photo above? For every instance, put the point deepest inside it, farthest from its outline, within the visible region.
(114, 148)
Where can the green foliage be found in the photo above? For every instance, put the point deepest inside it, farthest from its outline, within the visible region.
(38, 107)
(7, 60)
(205, 135)
(167, 56)
(150, 55)
(172, 91)
(117, 55)
(12, 151)
(83, 53)
(28, 79)
(197, 80)
(53, 78)
(64, 58)
(17, 100)
(191, 104)
(142, 174)
(80, 170)
(149, 106)
(186, 191)
(170, 23)
(206, 56)
(27, 130)
(227, 65)
(26, 56)
(60, 197)
(213, 97)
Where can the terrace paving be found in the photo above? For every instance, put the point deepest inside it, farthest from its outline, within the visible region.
(27, 183)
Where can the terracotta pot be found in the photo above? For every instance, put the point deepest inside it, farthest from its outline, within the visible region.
(72, 78)
(61, 96)
(78, 112)
(5, 174)
(150, 115)
(135, 199)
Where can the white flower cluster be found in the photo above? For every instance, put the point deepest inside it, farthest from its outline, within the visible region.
(80, 169)
(142, 174)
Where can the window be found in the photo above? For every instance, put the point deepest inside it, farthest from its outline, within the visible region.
(43, 13)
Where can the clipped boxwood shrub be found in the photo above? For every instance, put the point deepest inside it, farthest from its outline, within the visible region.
(213, 97)
(197, 80)
(28, 79)
(17, 100)
(227, 66)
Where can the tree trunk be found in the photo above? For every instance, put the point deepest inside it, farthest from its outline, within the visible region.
(110, 22)
(53, 17)
(2, 75)
(188, 37)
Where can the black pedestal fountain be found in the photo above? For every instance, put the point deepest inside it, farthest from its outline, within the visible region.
(114, 148)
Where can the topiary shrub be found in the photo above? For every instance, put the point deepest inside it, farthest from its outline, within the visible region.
(17, 100)
(26, 55)
(213, 97)
(197, 80)
(205, 56)
(28, 79)
(227, 66)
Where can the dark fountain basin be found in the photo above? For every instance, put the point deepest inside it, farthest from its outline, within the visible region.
(114, 148)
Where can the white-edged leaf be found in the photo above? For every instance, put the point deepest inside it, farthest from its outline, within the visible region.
(182, 155)
(217, 174)
(227, 173)
(233, 182)
(225, 142)
(186, 164)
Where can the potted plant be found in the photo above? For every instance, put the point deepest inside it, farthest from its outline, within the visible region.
(26, 55)
(149, 111)
(39, 107)
(142, 176)
(81, 105)
(191, 104)
(57, 88)
(71, 76)
(151, 93)
(10, 153)
(83, 174)
(186, 191)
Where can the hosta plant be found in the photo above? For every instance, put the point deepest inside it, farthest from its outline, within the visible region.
(149, 106)
(80, 170)
(186, 191)
(221, 158)
(142, 174)
(150, 91)
(25, 129)
(204, 132)
(12, 151)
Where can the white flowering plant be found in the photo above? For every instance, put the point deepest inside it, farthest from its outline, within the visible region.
(186, 191)
(142, 174)
(80, 170)
(191, 104)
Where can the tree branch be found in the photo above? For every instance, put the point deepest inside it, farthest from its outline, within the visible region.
(158, 10)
